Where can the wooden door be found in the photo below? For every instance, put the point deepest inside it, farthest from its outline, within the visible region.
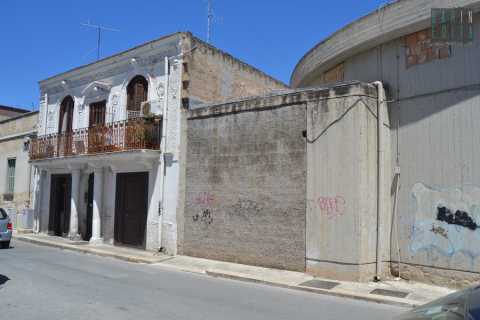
(65, 127)
(60, 200)
(96, 130)
(137, 92)
(131, 207)
(97, 114)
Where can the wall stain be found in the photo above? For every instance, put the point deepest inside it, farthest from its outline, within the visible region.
(440, 231)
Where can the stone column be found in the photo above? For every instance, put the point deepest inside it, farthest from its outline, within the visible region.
(74, 204)
(97, 206)
(38, 182)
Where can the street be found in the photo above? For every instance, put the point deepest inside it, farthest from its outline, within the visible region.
(46, 283)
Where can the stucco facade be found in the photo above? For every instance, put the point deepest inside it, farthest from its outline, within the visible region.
(433, 97)
(15, 133)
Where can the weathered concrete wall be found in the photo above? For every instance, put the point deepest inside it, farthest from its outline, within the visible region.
(434, 138)
(342, 184)
(215, 76)
(258, 191)
(245, 183)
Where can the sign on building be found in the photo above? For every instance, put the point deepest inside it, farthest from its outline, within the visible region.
(452, 25)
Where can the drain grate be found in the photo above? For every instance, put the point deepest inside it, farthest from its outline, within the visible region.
(390, 293)
(320, 284)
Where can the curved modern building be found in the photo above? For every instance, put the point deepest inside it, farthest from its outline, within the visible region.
(433, 92)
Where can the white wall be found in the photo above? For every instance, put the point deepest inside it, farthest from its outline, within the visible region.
(112, 77)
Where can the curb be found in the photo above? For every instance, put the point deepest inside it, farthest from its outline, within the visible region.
(219, 274)
(342, 294)
(93, 251)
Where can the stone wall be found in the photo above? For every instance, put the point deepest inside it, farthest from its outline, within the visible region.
(245, 183)
(214, 76)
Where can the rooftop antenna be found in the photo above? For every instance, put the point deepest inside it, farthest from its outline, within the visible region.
(209, 19)
(99, 33)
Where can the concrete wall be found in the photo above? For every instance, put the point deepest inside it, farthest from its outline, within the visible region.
(13, 133)
(434, 143)
(246, 183)
(342, 184)
(288, 181)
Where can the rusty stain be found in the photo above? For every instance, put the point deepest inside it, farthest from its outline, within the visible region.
(440, 231)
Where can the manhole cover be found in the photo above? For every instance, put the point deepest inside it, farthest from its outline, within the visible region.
(320, 284)
(390, 293)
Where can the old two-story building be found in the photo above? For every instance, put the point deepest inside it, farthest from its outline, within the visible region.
(17, 126)
(111, 145)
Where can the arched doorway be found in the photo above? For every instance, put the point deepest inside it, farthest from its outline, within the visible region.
(137, 92)
(65, 126)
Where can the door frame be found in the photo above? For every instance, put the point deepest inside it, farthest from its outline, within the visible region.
(117, 220)
(55, 222)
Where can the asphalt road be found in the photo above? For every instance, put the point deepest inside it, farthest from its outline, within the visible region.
(47, 283)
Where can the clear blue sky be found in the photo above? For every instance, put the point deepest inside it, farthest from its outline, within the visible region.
(40, 38)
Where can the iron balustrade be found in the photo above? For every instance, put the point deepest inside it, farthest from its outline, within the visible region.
(131, 134)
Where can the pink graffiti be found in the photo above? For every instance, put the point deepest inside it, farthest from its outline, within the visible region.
(205, 199)
(331, 206)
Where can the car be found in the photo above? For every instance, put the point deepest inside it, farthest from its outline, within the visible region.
(5, 229)
(460, 305)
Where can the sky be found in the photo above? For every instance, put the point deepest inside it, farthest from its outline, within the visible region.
(41, 38)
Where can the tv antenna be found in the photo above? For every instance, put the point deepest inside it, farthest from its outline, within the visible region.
(99, 34)
(209, 19)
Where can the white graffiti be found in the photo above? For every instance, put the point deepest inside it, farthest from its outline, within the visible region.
(448, 237)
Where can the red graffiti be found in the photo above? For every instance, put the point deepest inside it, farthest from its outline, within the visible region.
(205, 199)
(331, 206)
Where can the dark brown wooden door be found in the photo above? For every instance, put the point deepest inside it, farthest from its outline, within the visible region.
(60, 199)
(137, 92)
(65, 127)
(131, 208)
(66, 115)
(97, 114)
(97, 130)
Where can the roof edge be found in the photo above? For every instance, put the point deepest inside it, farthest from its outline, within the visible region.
(382, 37)
(64, 73)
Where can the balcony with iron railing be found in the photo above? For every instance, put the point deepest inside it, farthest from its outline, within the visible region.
(127, 135)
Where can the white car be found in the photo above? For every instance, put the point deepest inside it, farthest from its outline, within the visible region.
(5, 229)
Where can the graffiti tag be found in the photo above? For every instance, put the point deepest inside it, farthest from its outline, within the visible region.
(205, 217)
(204, 199)
(331, 206)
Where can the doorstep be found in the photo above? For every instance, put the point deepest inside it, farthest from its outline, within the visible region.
(104, 250)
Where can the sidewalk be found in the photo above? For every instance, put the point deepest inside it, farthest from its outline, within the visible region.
(402, 293)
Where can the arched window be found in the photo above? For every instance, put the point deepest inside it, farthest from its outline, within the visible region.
(137, 92)
(66, 115)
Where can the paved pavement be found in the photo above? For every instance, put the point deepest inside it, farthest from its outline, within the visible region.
(48, 283)
(412, 293)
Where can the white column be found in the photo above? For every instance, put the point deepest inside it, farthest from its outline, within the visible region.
(97, 206)
(38, 181)
(74, 204)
